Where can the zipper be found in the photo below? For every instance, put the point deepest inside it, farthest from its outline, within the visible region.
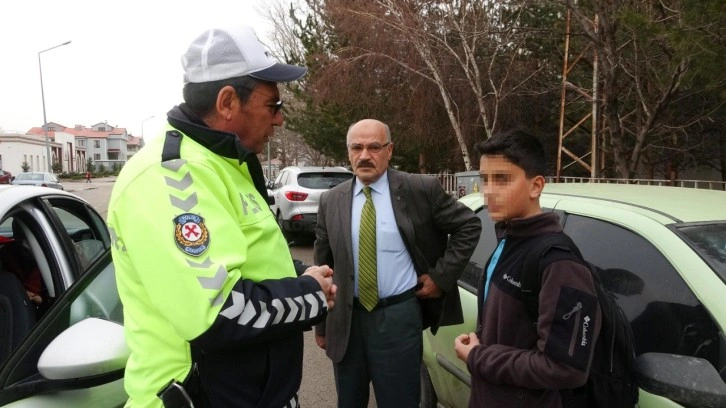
(577, 310)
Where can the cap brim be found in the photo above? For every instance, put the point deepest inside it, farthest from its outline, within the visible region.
(280, 73)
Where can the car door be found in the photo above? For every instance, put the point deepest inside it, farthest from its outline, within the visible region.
(279, 182)
(653, 275)
(451, 378)
(68, 241)
(94, 295)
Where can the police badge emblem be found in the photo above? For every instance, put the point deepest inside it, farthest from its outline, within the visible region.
(190, 234)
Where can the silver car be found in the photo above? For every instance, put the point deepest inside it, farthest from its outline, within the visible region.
(40, 179)
(64, 346)
(297, 192)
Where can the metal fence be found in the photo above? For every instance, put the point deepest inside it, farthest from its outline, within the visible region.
(468, 182)
(703, 184)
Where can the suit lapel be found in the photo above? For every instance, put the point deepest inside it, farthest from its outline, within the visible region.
(399, 201)
(345, 205)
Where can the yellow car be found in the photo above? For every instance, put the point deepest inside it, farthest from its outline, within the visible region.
(673, 239)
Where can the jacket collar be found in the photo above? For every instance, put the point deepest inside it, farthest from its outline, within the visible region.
(530, 226)
(221, 143)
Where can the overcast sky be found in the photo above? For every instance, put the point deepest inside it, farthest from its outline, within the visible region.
(122, 65)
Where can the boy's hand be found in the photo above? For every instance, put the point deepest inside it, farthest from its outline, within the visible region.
(463, 345)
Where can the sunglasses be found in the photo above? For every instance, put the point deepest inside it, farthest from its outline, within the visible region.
(275, 106)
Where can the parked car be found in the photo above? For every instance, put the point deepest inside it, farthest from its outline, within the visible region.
(297, 192)
(71, 352)
(5, 177)
(663, 252)
(41, 179)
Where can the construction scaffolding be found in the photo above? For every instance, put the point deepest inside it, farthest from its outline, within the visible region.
(579, 108)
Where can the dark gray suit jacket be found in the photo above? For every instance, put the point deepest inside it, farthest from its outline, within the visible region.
(426, 215)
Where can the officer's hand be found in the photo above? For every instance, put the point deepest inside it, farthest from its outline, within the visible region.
(321, 341)
(427, 288)
(324, 275)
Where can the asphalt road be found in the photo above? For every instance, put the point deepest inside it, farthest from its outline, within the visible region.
(318, 386)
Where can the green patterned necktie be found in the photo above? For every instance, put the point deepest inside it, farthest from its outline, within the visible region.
(367, 281)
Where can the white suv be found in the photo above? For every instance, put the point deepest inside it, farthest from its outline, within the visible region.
(297, 192)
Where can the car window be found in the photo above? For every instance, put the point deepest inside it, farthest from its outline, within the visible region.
(322, 180)
(95, 295)
(710, 241)
(665, 315)
(281, 179)
(22, 254)
(485, 247)
(85, 228)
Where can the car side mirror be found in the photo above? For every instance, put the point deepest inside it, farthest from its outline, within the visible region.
(270, 185)
(88, 348)
(690, 381)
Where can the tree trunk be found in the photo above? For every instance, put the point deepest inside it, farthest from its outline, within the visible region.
(722, 156)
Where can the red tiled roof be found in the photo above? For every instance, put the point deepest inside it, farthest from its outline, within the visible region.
(83, 132)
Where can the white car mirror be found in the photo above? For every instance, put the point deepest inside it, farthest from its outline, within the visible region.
(90, 347)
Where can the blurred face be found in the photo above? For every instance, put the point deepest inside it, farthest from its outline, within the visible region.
(368, 150)
(254, 122)
(508, 192)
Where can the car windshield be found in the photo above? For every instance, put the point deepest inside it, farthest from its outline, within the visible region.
(29, 176)
(710, 241)
(322, 180)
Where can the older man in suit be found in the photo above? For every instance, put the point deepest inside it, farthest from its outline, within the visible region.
(398, 243)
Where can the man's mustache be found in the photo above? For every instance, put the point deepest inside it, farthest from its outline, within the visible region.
(365, 163)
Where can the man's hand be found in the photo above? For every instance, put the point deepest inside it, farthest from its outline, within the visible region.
(463, 345)
(321, 341)
(324, 275)
(427, 288)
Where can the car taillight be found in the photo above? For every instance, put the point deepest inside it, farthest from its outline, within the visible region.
(295, 196)
(297, 217)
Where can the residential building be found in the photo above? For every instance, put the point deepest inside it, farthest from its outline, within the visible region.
(133, 145)
(271, 168)
(17, 148)
(106, 145)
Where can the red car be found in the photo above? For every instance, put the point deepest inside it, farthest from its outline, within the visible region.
(5, 177)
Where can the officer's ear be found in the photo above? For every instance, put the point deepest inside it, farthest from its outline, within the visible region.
(227, 101)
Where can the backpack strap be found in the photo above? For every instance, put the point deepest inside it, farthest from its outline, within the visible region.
(535, 263)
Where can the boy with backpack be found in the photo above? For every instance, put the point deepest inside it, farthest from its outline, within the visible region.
(514, 360)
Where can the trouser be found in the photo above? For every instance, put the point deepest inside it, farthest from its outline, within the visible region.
(385, 347)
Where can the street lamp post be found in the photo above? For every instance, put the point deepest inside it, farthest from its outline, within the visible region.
(42, 95)
(142, 125)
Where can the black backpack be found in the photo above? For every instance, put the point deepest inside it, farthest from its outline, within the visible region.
(611, 382)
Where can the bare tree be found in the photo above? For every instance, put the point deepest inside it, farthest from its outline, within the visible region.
(464, 48)
(644, 73)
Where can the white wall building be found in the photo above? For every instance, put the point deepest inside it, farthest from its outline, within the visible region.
(17, 148)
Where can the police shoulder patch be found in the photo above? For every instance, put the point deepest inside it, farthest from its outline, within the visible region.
(190, 234)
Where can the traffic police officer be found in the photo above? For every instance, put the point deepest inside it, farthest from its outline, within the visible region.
(213, 309)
